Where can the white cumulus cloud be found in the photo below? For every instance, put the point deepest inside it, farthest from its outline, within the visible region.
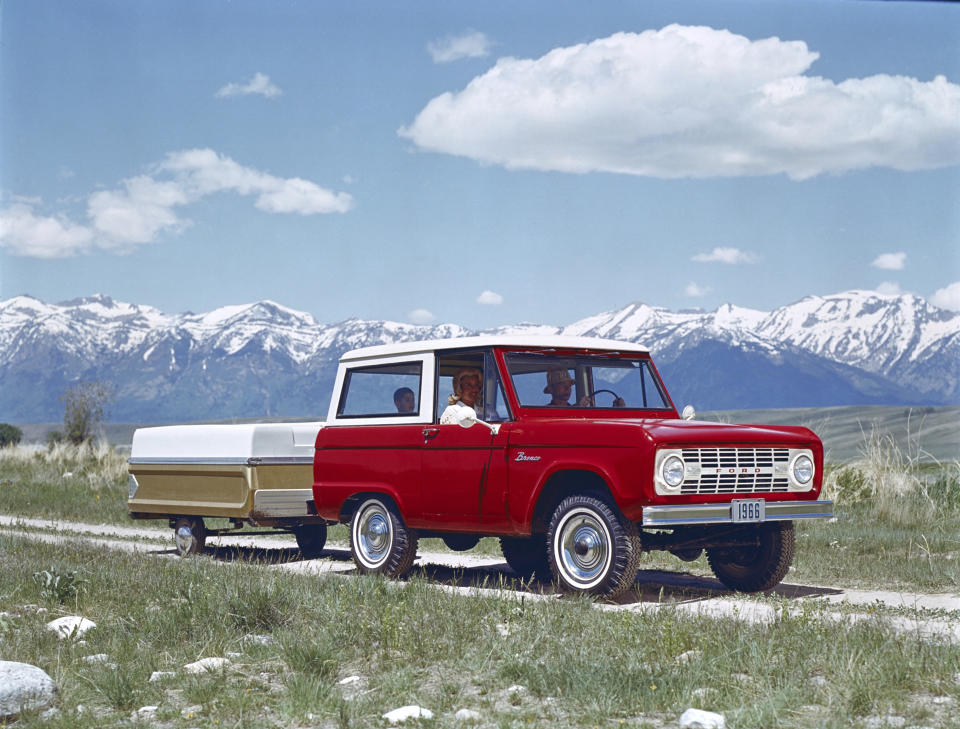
(691, 102)
(24, 233)
(259, 84)
(695, 290)
(490, 298)
(948, 297)
(890, 261)
(725, 255)
(144, 206)
(472, 44)
(421, 316)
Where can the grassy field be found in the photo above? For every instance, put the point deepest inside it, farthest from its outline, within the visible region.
(291, 639)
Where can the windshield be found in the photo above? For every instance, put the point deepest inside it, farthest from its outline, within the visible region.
(585, 381)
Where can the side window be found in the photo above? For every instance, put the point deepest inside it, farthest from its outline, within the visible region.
(381, 391)
(494, 399)
(469, 364)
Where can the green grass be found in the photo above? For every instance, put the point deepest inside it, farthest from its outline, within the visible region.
(413, 644)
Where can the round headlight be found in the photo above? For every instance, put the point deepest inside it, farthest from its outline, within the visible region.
(802, 469)
(672, 471)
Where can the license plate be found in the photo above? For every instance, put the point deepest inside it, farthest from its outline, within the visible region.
(747, 510)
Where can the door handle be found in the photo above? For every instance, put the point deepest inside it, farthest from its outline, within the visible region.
(429, 433)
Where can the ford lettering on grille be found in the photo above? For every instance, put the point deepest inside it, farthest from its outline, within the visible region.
(734, 470)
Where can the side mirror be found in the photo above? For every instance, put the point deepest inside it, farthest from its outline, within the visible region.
(467, 418)
(688, 413)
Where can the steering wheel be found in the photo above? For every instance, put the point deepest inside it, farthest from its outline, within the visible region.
(597, 392)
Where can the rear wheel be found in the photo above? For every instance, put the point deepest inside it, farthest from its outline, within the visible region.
(756, 568)
(527, 556)
(380, 542)
(190, 535)
(593, 548)
(311, 539)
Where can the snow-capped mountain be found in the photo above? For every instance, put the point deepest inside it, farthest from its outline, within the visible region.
(262, 359)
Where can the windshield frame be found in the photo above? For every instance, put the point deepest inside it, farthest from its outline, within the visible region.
(594, 356)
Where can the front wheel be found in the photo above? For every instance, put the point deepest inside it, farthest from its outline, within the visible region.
(190, 535)
(756, 568)
(592, 547)
(380, 542)
(311, 539)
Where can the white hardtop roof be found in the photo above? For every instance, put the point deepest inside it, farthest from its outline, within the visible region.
(553, 341)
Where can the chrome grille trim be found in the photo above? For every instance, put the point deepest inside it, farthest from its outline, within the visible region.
(735, 470)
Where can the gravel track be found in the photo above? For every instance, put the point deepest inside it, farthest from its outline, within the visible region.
(462, 573)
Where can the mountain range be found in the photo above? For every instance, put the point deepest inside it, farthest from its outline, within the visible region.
(263, 359)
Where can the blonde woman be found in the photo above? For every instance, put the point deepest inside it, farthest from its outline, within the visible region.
(467, 386)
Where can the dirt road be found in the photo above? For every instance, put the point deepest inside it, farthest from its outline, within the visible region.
(921, 613)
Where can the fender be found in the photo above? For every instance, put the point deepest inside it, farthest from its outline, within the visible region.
(523, 512)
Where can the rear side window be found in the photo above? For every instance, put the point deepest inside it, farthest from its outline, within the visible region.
(381, 391)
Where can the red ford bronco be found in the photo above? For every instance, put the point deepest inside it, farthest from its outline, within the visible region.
(568, 449)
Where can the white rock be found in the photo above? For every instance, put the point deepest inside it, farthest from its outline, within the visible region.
(348, 680)
(71, 626)
(96, 658)
(503, 629)
(697, 719)
(161, 675)
(818, 681)
(233, 654)
(259, 639)
(688, 656)
(939, 700)
(467, 715)
(145, 713)
(207, 664)
(516, 689)
(408, 712)
(23, 686)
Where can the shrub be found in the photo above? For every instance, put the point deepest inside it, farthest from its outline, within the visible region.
(9, 434)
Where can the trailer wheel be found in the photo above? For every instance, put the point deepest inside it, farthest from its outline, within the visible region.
(311, 539)
(380, 542)
(755, 569)
(527, 556)
(593, 548)
(190, 535)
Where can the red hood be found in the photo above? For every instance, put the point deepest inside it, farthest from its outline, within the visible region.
(702, 432)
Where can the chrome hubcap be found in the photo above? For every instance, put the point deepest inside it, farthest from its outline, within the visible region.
(374, 534)
(583, 548)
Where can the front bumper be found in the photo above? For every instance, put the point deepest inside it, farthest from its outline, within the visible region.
(684, 514)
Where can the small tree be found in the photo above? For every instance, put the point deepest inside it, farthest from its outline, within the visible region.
(9, 434)
(84, 408)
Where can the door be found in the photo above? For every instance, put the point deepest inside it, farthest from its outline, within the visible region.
(464, 475)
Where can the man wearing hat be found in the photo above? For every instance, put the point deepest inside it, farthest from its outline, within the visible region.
(560, 387)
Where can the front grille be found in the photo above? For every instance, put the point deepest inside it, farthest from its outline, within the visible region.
(734, 470)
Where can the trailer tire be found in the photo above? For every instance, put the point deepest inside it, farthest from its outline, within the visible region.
(380, 543)
(189, 534)
(760, 568)
(311, 539)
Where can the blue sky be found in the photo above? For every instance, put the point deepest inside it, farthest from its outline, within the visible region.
(478, 163)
